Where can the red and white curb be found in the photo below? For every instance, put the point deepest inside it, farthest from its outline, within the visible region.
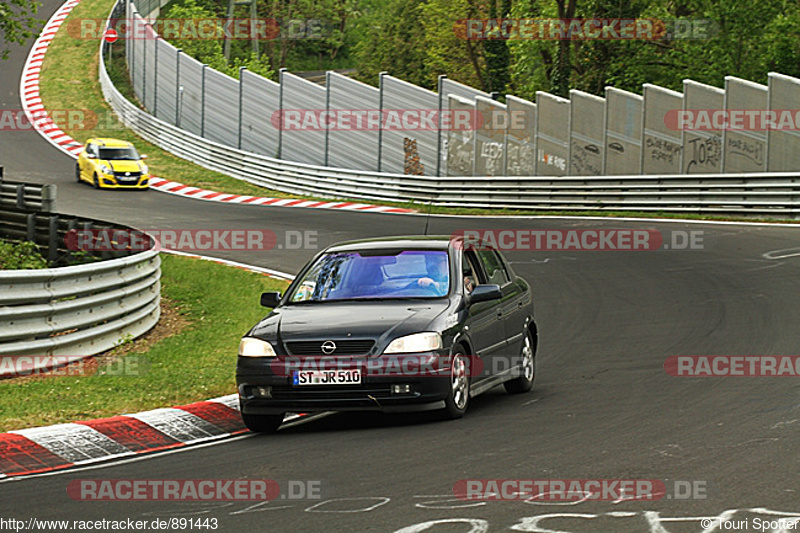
(29, 85)
(173, 187)
(38, 116)
(44, 449)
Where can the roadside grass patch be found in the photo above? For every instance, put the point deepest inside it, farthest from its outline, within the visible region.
(217, 304)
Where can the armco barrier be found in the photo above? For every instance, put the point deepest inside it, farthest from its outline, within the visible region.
(74, 311)
(761, 194)
(27, 195)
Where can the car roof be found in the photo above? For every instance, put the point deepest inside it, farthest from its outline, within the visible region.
(110, 143)
(411, 242)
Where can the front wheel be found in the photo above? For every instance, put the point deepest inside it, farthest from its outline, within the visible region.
(262, 423)
(77, 172)
(95, 181)
(455, 405)
(524, 382)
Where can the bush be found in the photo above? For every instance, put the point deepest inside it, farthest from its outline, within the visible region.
(20, 256)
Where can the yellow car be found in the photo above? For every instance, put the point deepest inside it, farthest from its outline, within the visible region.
(113, 164)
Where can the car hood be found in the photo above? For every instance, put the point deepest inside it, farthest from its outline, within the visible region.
(124, 166)
(382, 321)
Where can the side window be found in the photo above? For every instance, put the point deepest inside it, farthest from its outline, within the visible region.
(494, 267)
(469, 273)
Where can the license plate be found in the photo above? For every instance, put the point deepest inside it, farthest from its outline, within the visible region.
(326, 377)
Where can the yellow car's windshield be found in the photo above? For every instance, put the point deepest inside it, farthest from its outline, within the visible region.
(119, 154)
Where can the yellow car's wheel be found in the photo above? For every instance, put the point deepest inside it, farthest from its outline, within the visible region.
(77, 172)
(95, 181)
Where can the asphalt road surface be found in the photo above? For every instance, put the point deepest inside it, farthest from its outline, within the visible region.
(603, 406)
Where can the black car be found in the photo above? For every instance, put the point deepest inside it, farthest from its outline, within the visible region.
(392, 324)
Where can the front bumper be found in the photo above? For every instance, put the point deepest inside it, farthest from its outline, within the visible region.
(428, 387)
(111, 182)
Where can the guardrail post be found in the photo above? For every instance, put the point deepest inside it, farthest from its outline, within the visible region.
(21, 197)
(144, 64)
(49, 198)
(241, 102)
(380, 117)
(155, 76)
(327, 111)
(30, 230)
(439, 128)
(178, 88)
(280, 113)
(72, 225)
(52, 239)
(203, 102)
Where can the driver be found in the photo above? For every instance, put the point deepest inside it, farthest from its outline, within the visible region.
(438, 278)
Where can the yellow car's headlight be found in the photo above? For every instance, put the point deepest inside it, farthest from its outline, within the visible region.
(105, 169)
(252, 347)
(418, 342)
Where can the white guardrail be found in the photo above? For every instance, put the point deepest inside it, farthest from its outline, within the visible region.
(78, 311)
(761, 194)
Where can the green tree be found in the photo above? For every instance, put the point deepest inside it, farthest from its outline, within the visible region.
(17, 23)
(393, 40)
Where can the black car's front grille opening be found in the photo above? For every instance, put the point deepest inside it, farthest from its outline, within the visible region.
(343, 347)
(330, 393)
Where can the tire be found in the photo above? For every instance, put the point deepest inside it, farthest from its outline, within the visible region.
(524, 383)
(457, 401)
(77, 172)
(262, 423)
(95, 181)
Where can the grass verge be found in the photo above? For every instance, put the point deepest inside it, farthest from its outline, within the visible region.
(218, 304)
(68, 81)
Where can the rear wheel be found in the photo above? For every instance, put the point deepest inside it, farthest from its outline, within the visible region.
(262, 423)
(524, 382)
(455, 405)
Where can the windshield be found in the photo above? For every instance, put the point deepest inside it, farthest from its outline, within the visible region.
(119, 154)
(352, 276)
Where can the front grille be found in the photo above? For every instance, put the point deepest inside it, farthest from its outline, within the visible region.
(331, 393)
(132, 176)
(343, 347)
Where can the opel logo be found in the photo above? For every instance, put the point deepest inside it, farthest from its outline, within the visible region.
(328, 347)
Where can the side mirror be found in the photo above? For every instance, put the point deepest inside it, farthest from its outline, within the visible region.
(484, 293)
(143, 156)
(270, 299)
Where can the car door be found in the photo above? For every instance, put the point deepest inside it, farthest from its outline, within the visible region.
(509, 309)
(85, 161)
(485, 324)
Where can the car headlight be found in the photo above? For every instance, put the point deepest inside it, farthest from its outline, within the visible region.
(105, 169)
(418, 342)
(252, 347)
(143, 168)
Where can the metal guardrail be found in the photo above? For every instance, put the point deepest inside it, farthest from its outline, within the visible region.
(75, 311)
(27, 195)
(761, 194)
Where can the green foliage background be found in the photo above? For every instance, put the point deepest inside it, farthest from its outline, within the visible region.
(416, 40)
